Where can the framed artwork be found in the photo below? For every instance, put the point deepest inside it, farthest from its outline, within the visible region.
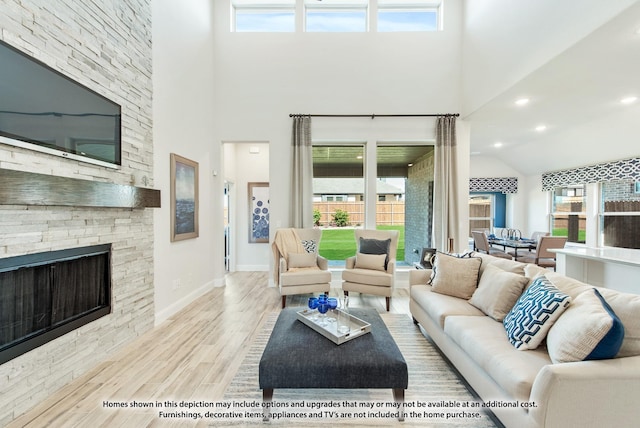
(184, 198)
(427, 258)
(258, 212)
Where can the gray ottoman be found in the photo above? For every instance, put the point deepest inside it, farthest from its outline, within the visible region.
(296, 356)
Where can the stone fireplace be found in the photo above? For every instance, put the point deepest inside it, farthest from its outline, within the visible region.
(106, 47)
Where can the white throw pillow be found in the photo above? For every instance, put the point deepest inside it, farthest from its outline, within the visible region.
(301, 260)
(455, 276)
(588, 330)
(497, 292)
(371, 261)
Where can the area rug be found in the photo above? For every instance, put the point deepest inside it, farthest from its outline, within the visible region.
(436, 396)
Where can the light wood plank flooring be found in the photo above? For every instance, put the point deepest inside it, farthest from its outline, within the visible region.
(192, 356)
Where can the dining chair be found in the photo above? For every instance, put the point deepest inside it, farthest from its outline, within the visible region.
(481, 244)
(535, 237)
(372, 269)
(543, 257)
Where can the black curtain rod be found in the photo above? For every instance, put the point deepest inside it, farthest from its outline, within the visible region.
(373, 116)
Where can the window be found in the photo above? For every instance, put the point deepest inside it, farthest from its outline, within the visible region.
(263, 16)
(568, 213)
(336, 16)
(480, 212)
(620, 213)
(408, 15)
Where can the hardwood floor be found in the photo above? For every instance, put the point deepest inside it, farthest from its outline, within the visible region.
(192, 356)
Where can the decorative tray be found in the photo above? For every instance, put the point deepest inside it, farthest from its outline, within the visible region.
(357, 327)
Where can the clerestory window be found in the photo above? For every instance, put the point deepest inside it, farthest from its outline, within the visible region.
(408, 15)
(336, 15)
(270, 16)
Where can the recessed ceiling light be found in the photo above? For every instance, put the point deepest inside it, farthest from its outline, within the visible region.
(359, 157)
(541, 128)
(497, 144)
(410, 165)
(629, 100)
(522, 101)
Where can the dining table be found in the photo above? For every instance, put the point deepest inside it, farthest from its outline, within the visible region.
(516, 244)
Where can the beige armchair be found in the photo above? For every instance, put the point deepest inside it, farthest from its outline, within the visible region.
(372, 269)
(298, 268)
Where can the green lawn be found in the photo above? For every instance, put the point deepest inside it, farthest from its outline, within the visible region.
(338, 244)
(582, 234)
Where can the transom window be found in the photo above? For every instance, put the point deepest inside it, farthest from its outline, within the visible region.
(408, 15)
(266, 16)
(335, 15)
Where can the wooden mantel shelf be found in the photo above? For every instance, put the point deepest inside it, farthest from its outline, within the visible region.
(28, 188)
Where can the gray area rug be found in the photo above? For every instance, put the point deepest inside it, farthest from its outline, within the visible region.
(435, 397)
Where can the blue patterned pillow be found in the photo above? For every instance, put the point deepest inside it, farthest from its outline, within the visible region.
(530, 319)
(310, 246)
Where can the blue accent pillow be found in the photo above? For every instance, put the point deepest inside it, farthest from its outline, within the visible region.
(530, 319)
(610, 344)
(588, 330)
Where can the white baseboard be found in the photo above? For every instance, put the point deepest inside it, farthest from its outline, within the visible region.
(177, 306)
(252, 268)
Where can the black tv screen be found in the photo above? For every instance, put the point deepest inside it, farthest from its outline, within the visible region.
(41, 109)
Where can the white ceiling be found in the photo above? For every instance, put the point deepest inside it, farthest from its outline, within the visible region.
(577, 96)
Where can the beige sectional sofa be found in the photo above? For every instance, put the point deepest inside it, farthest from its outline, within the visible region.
(546, 393)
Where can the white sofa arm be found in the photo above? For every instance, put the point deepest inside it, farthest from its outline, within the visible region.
(419, 276)
(587, 393)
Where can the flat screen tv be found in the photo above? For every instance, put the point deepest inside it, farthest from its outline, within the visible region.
(42, 109)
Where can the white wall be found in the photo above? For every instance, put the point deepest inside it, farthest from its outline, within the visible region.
(184, 123)
(506, 40)
(261, 78)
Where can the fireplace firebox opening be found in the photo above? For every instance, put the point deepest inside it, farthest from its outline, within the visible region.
(46, 295)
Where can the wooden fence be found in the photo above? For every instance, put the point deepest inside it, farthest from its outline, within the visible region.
(388, 213)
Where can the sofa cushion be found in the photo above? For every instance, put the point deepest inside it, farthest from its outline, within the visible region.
(497, 292)
(305, 276)
(371, 261)
(483, 339)
(528, 322)
(368, 276)
(301, 260)
(440, 306)
(587, 330)
(455, 276)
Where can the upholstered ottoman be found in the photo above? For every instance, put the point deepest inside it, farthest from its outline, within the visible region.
(296, 356)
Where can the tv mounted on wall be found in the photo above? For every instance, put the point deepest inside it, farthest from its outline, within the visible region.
(42, 109)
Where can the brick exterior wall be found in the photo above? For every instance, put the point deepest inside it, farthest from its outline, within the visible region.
(107, 47)
(419, 194)
(619, 190)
